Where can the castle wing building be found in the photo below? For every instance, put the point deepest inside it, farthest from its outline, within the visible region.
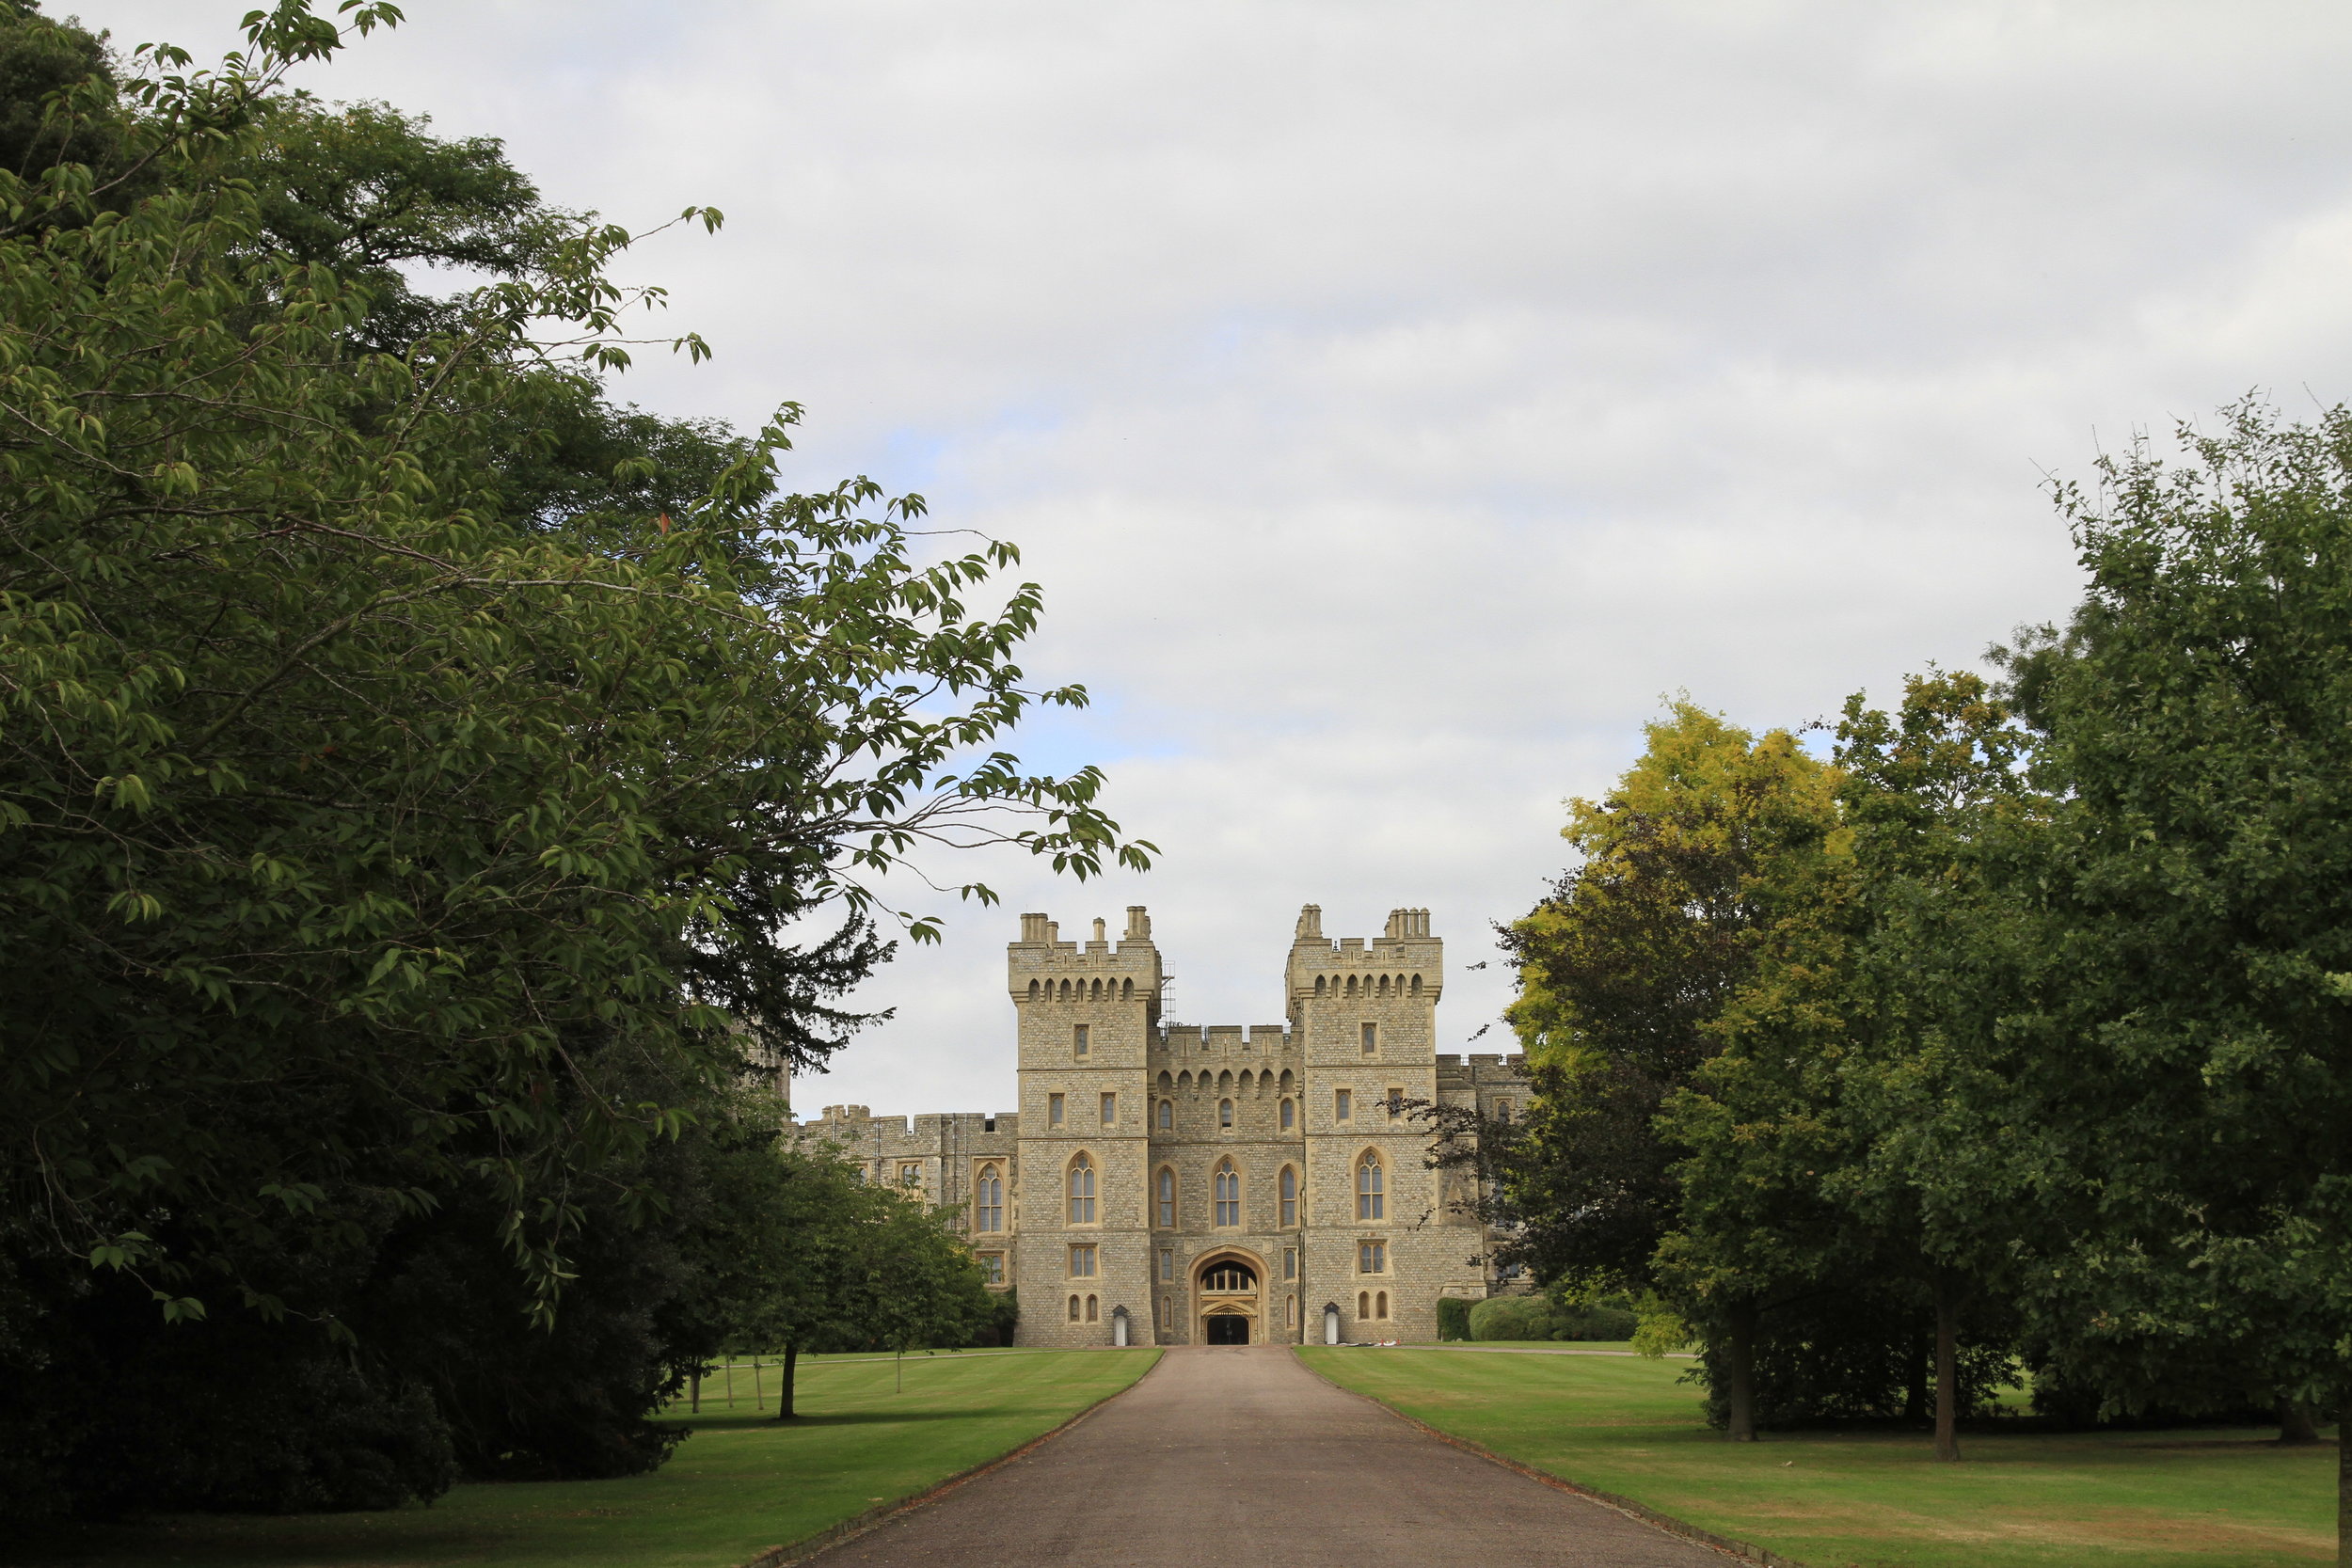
(1166, 1184)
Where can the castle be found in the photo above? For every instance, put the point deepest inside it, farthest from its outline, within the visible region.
(1166, 1183)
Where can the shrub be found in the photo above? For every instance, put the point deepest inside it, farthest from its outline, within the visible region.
(1454, 1317)
(1512, 1318)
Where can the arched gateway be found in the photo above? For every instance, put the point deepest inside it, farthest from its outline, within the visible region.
(1229, 1285)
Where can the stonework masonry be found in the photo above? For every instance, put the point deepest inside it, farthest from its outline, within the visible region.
(1184, 1184)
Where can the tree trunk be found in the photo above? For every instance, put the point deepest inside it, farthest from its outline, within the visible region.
(1946, 1371)
(2295, 1423)
(1740, 1371)
(2344, 1477)
(783, 1380)
(694, 1390)
(1915, 1387)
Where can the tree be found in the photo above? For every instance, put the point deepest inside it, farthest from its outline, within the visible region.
(1625, 972)
(405, 825)
(2199, 879)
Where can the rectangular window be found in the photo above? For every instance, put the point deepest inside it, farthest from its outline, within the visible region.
(1342, 1105)
(1290, 1262)
(1370, 1257)
(1168, 1113)
(1168, 1264)
(1082, 1261)
(1110, 1109)
(1168, 1312)
(1372, 1039)
(994, 1264)
(1397, 1104)
(1080, 1042)
(1053, 1110)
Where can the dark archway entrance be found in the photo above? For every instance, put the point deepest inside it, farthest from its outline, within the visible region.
(1227, 1328)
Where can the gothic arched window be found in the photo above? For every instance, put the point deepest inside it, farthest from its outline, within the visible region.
(1228, 1194)
(1371, 1203)
(1082, 1190)
(991, 1200)
(1167, 1115)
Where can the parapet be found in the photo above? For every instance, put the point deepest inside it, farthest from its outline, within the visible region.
(1404, 961)
(1042, 967)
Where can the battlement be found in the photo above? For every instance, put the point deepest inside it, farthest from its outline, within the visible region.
(1404, 962)
(1223, 1040)
(1483, 1069)
(1041, 966)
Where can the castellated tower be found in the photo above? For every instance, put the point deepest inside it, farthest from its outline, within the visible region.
(1089, 1017)
(1381, 1242)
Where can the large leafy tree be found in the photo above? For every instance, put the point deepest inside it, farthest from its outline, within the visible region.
(1690, 866)
(2191, 713)
(415, 774)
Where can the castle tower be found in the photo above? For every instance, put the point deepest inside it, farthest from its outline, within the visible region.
(1087, 1018)
(1366, 1016)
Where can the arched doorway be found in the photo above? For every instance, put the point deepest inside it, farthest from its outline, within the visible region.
(1228, 1285)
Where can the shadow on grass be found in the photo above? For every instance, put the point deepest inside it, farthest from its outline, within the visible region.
(723, 1422)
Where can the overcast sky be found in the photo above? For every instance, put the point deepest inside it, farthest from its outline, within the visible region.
(1395, 401)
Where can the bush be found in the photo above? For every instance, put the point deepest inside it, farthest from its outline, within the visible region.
(1511, 1318)
(1454, 1317)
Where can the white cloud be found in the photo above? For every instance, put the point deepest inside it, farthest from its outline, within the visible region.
(1396, 399)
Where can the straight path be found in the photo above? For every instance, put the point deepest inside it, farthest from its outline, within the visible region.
(1232, 1458)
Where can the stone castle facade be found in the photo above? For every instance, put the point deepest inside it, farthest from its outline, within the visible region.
(1166, 1184)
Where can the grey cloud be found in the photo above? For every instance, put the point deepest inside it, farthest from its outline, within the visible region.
(1396, 400)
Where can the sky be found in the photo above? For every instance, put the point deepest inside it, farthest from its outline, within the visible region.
(1398, 403)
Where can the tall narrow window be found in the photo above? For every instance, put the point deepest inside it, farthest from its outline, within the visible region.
(1073, 1309)
(1342, 1105)
(1094, 1306)
(1053, 1110)
(1380, 1304)
(1168, 1264)
(1168, 1312)
(1397, 1104)
(1228, 1194)
(1167, 1115)
(1079, 1043)
(1167, 1199)
(1290, 1262)
(1110, 1109)
(991, 1199)
(1290, 1115)
(1370, 1202)
(1290, 1198)
(1225, 1112)
(1363, 1305)
(1290, 1311)
(1082, 1190)
(1082, 1261)
(1372, 1039)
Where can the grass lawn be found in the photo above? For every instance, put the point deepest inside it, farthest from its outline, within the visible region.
(740, 1483)
(2198, 1498)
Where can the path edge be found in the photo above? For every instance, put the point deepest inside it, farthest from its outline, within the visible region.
(859, 1524)
(1747, 1550)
